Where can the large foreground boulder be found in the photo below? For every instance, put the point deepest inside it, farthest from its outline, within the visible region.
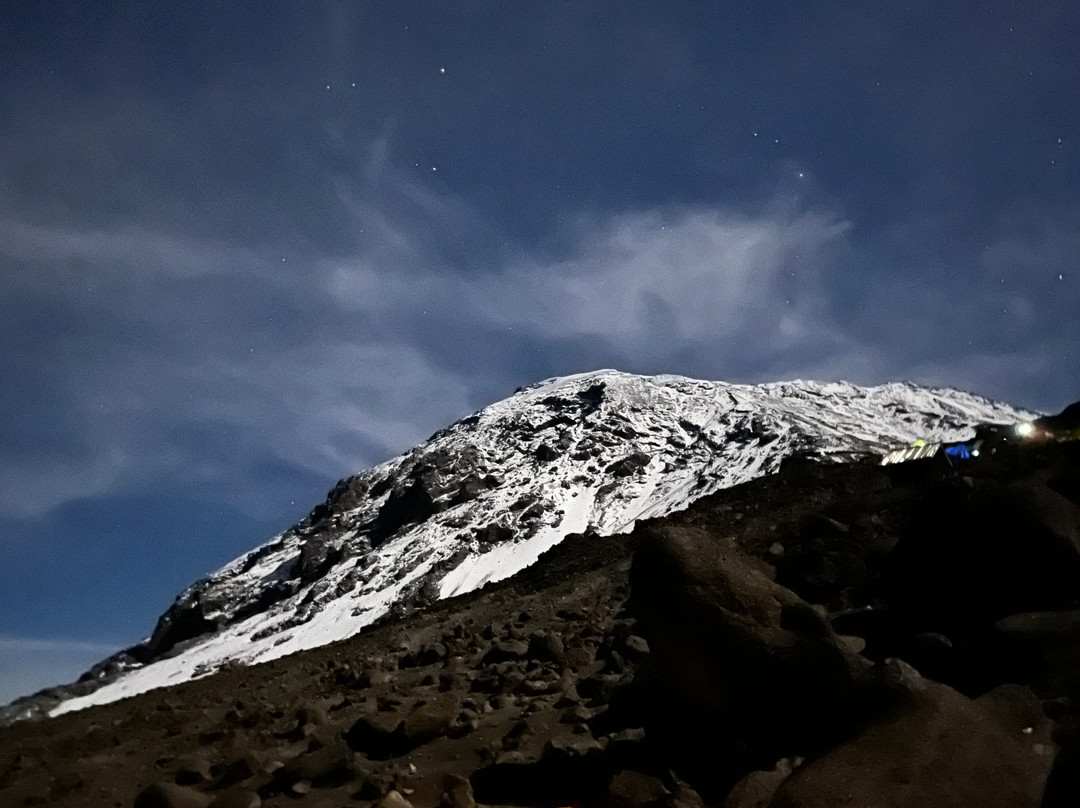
(936, 748)
(745, 673)
(745, 670)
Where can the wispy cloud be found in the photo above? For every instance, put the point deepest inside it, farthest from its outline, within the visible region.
(125, 249)
(648, 284)
(204, 360)
(323, 401)
(35, 485)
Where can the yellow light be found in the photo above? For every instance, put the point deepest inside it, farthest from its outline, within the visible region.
(1024, 429)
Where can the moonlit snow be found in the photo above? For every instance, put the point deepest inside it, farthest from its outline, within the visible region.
(597, 450)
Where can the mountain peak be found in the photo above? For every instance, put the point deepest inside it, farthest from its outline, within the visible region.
(483, 498)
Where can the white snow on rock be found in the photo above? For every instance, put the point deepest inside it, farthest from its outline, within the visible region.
(482, 499)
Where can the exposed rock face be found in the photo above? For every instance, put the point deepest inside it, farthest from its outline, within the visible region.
(482, 499)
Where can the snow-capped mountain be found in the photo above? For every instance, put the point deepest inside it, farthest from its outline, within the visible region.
(482, 499)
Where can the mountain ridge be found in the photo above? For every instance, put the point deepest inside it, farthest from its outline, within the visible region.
(484, 497)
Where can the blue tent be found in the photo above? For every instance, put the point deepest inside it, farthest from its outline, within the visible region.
(958, 452)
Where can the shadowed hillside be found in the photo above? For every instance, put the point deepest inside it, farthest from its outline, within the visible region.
(830, 635)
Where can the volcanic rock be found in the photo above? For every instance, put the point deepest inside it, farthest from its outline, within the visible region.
(735, 649)
(938, 748)
(457, 792)
(170, 795)
(630, 789)
(758, 788)
(326, 767)
(429, 721)
(240, 798)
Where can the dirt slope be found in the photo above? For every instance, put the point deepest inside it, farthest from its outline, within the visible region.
(831, 635)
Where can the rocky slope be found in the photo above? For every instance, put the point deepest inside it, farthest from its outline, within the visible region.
(830, 635)
(484, 498)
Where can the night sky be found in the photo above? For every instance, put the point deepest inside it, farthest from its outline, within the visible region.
(247, 249)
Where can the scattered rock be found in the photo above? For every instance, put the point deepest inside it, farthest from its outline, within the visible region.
(505, 651)
(636, 647)
(457, 792)
(236, 770)
(429, 721)
(300, 788)
(64, 783)
(630, 789)
(375, 735)
(328, 767)
(729, 657)
(240, 798)
(684, 796)
(192, 771)
(170, 795)
(757, 789)
(395, 799)
(546, 647)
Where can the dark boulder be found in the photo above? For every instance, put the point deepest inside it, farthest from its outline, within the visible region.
(493, 534)
(744, 667)
(376, 735)
(318, 555)
(429, 721)
(545, 453)
(936, 748)
(970, 557)
(758, 788)
(630, 789)
(327, 767)
(629, 465)
(170, 795)
(457, 792)
(506, 651)
(546, 646)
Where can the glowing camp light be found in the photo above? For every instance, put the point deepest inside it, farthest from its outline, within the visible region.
(1024, 429)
